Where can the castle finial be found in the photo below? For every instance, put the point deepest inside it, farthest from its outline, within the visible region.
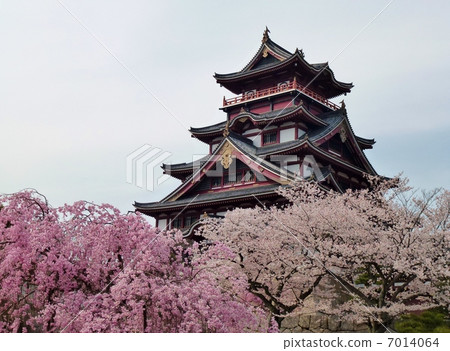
(343, 105)
(266, 35)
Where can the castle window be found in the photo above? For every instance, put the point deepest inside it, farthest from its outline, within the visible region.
(240, 176)
(216, 182)
(188, 220)
(269, 138)
(229, 178)
(176, 222)
(162, 223)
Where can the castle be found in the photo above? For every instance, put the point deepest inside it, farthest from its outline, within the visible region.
(279, 126)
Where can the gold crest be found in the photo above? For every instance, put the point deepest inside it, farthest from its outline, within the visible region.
(226, 155)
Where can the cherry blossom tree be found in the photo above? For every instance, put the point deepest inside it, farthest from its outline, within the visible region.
(277, 270)
(385, 249)
(88, 268)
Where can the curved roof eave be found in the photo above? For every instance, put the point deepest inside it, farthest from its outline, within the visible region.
(365, 143)
(258, 119)
(332, 128)
(183, 167)
(201, 129)
(327, 155)
(222, 197)
(360, 152)
(296, 57)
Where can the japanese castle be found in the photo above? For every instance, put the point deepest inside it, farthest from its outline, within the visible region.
(278, 126)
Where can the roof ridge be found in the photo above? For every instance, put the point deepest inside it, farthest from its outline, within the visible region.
(270, 45)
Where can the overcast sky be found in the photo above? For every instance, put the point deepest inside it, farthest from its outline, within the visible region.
(70, 112)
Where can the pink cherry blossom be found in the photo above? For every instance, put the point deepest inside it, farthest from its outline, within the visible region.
(385, 250)
(88, 268)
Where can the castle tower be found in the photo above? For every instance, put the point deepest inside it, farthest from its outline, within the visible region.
(279, 125)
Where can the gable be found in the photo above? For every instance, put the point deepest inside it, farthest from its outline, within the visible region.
(343, 150)
(218, 179)
(265, 61)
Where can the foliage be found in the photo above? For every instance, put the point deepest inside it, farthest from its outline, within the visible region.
(385, 247)
(432, 321)
(88, 268)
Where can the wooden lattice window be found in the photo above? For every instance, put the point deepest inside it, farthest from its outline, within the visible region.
(269, 138)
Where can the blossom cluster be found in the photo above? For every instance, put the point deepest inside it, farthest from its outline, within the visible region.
(88, 268)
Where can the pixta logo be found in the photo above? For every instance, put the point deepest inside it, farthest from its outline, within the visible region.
(143, 167)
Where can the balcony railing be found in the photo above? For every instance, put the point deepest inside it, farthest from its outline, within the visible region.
(276, 90)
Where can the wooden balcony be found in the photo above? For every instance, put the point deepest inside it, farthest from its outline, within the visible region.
(291, 86)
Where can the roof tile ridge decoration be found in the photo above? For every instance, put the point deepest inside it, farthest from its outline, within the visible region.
(267, 45)
(252, 61)
(246, 71)
(278, 49)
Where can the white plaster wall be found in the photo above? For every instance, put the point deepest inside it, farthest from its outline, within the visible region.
(287, 134)
(162, 222)
(256, 140)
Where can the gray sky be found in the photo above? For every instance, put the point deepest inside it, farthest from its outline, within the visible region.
(70, 113)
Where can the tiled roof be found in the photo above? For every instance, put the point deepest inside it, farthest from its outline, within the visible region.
(186, 165)
(267, 116)
(208, 129)
(332, 120)
(294, 58)
(206, 198)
